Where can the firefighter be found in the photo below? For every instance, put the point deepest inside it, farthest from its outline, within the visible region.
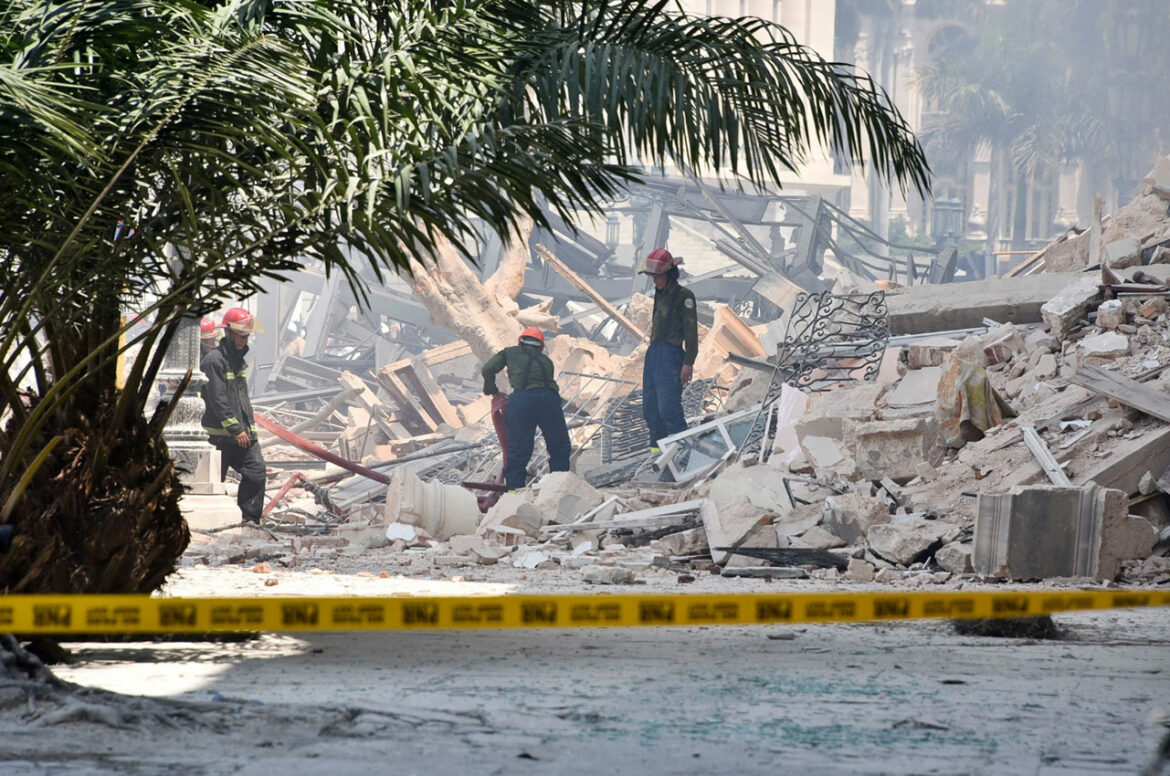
(535, 402)
(228, 418)
(674, 343)
(208, 336)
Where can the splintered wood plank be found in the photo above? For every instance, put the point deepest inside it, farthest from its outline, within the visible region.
(575, 280)
(403, 398)
(1044, 456)
(1129, 392)
(440, 407)
(372, 404)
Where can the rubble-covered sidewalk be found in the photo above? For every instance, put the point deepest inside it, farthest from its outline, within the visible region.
(924, 434)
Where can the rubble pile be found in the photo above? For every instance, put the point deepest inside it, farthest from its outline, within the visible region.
(1033, 450)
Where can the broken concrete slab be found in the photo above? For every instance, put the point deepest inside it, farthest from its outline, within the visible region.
(561, 496)
(1049, 531)
(607, 575)
(1103, 347)
(758, 484)
(817, 538)
(728, 524)
(955, 557)
(1123, 253)
(951, 306)
(849, 515)
(907, 541)
(859, 570)
(917, 390)
(514, 511)
(894, 448)
(1065, 309)
(827, 411)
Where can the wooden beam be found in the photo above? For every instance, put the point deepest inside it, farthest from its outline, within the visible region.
(1045, 458)
(1129, 392)
(575, 280)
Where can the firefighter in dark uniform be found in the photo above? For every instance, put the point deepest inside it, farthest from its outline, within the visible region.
(228, 418)
(674, 343)
(535, 403)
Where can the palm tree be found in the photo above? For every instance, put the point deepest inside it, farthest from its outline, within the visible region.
(161, 154)
(1008, 92)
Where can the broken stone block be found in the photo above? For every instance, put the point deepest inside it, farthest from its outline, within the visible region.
(797, 521)
(955, 557)
(859, 570)
(828, 456)
(607, 575)
(1046, 531)
(1046, 367)
(908, 540)
(1110, 314)
(693, 541)
(849, 515)
(1120, 254)
(917, 391)
(1105, 346)
(1161, 255)
(893, 448)
(515, 511)
(817, 538)
(1065, 310)
(725, 525)
(561, 497)
(827, 410)
(928, 353)
(1001, 343)
(758, 484)
(1152, 308)
(363, 536)
(530, 559)
(409, 535)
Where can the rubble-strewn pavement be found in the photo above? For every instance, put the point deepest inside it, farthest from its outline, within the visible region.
(934, 447)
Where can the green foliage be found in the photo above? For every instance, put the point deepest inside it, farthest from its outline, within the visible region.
(239, 138)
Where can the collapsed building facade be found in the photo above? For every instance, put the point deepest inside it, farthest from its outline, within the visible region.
(860, 410)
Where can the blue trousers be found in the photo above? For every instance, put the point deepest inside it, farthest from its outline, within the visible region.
(662, 391)
(527, 411)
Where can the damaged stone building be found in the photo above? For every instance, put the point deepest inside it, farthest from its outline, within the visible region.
(856, 414)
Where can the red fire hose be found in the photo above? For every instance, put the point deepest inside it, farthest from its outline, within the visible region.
(321, 452)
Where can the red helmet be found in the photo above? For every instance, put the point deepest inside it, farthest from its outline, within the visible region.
(533, 335)
(657, 262)
(241, 321)
(207, 328)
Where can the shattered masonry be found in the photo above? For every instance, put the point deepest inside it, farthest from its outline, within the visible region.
(853, 417)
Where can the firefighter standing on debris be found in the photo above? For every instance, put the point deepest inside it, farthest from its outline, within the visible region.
(228, 418)
(535, 402)
(674, 343)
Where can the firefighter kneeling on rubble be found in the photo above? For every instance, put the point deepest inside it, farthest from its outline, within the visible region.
(228, 418)
(535, 402)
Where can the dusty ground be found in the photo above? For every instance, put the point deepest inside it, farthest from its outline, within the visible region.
(904, 698)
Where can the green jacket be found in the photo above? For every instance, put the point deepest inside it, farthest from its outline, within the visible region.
(528, 367)
(675, 320)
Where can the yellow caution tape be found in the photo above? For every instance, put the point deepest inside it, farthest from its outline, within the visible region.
(94, 614)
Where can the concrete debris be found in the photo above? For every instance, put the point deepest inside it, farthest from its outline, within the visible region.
(850, 515)
(987, 390)
(1051, 531)
(607, 575)
(908, 541)
(727, 525)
